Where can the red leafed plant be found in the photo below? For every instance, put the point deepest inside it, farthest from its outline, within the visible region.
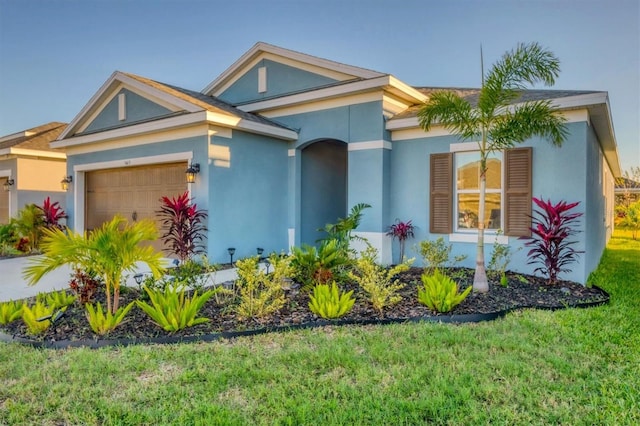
(402, 231)
(52, 214)
(183, 225)
(552, 225)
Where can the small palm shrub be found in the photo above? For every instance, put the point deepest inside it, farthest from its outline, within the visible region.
(8, 240)
(440, 292)
(172, 310)
(552, 225)
(108, 251)
(377, 281)
(183, 226)
(436, 255)
(31, 314)
(261, 294)
(329, 303)
(10, 311)
(102, 322)
(402, 231)
(313, 266)
(342, 230)
(29, 226)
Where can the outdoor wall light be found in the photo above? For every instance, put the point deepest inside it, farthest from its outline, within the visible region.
(192, 171)
(64, 183)
(231, 251)
(8, 184)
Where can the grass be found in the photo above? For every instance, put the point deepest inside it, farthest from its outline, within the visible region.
(576, 366)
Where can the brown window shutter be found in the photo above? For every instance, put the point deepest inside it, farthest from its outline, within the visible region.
(517, 192)
(441, 194)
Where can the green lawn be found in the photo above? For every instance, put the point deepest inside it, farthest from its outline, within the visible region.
(533, 367)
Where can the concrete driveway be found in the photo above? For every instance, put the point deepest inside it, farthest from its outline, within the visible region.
(14, 287)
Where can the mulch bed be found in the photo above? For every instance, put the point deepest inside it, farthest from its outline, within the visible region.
(523, 291)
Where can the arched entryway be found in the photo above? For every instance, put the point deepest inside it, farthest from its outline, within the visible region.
(323, 187)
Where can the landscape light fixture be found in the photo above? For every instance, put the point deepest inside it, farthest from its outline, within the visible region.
(138, 278)
(192, 171)
(64, 183)
(8, 184)
(231, 251)
(260, 250)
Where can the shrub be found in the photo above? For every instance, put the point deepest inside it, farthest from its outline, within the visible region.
(261, 294)
(402, 231)
(183, 225)
(29, 225)
(328, 303)
(58, 299)
(441, 293)
(313, 266)
(31, 314)
(108, 251)
(629, 218)
(436, 255)
(52, 214)
(102, 322)
(377, 281)
(172, 310)
(84, 286)
(192, 273)
(500, 258)
(8, 240)
(552, 225)
(10, 311)
(342, 230)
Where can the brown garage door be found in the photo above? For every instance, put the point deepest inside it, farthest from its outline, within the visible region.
(133, 192)
(4, 202)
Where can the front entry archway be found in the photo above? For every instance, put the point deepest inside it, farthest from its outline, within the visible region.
(323, 187)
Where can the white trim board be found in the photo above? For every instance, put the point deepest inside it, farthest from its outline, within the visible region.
(360, 146)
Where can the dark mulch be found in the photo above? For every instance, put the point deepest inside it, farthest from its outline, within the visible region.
(522, 291)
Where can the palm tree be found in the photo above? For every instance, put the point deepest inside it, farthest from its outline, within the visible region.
(498, 122)
(109, 251)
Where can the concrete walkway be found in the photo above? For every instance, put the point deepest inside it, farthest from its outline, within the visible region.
(14, 287)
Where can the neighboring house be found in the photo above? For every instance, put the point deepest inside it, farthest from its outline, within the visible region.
(627, 190)
(30, 170)
(287, 142)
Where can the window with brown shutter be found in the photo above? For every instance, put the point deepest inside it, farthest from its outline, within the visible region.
(517, 192)
(441, 197)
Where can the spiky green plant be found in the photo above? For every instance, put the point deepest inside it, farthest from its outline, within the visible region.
(499, 121)
(440, 292)
(59, 299)
(172, 310)
(109, 252)
(329, 303)
(102, 322)
(31, 315)
(10, 311)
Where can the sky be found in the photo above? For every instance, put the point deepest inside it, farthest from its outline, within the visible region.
(55, 54)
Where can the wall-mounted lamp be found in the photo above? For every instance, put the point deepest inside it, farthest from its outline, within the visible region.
(64, 183)
(192, 171)
(8, 184)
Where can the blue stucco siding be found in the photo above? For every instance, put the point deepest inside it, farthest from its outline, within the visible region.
(248, 197)
(281, 80)
(595, 225)
(369, 184)
(558, 174)
(137, 109)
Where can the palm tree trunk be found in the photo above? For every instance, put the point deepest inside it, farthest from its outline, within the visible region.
(480, 284)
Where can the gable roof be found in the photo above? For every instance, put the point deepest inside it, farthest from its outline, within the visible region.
(326, 67)
(180, 101)
(35, 139)
(626, 184)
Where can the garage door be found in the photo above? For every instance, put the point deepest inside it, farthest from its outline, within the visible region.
(133, 192)
(4, 202)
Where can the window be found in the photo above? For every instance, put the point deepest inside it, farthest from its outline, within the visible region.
(467, 191)
(455, 194)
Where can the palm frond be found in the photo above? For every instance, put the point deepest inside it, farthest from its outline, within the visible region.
(526, 120)
(526, 65)
(452, 112)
